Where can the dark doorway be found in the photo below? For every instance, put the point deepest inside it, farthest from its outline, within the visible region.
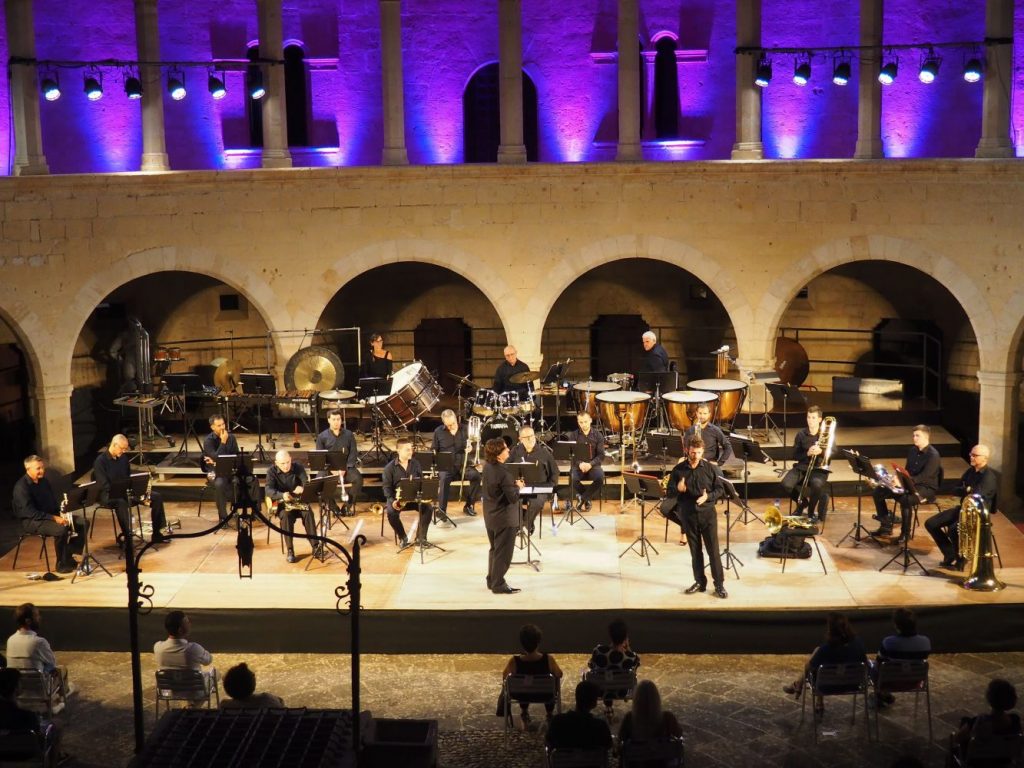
(444, 345)
(615, 344)
(481, 117)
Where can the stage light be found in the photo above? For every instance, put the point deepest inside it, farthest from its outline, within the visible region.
(216, 86)
(176, 85)
(93, 86)
(50, 87)
(929, 69)
(256, 89)
(802, 72)
(763, 75)
(132, 87)
(973, 70)
(888, 73)
(841, 73)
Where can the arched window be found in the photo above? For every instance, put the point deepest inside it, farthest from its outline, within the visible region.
(253, 107)
(296, 94)
(481, 119)
(666, 90)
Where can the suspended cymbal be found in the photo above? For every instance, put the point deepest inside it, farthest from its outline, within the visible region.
(227, 375)
(463, 380)
(316, 368)
(524, 378)
(337, 394)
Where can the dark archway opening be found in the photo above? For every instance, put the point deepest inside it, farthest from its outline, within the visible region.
(481, 117)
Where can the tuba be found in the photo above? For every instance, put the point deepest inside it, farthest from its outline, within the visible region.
(975, 533)
(826, 439)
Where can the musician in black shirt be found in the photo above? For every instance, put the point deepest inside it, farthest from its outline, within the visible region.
(379, 363)
(944, 527)
(923, 465)
(501, 514)
(507, 370)
(221, 442)
(655, 358)
(697, 486)
(451, 438)
(402, 467)
(337, 438)
(285, 483)
(529, 450)
(588, 467)
(805, 447)
(35, 504)
(113, 465)
(717, 447)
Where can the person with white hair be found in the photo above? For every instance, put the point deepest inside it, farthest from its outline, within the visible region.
(655, 358)
(285, 481)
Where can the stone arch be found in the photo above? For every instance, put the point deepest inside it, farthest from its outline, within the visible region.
(29, 331)
(1012, 331)
(780, 293)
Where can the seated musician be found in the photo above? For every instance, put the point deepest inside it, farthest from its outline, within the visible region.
(285, 481)
(805, 448)
(507, 370)
(451, 438)
(337, 438)
(529, 449)
(379, 362)
(923, 466)
(403, 467)
(34, 502)
(588, 468)
(717, 447)
(221, 442)
(944, 527)
(112, 465)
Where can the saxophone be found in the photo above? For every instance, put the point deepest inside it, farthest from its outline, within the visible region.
(397, 501)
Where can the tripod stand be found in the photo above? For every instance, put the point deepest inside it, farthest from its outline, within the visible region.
(571, 451)
(441, 467)
(78, 498)
(860, 464)
(748, 450)
(644, 488)
(320, 490)
(531, 474)
(421, 490)
(905, 554)
(729, 559)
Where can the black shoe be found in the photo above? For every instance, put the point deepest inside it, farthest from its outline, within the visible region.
(720, 592)
(468, 510)
(587, 505)
(70, 567)
(160, 539)
(884, 530)
(696, 587)
(403, 543)
(960, 564)
(505, 589)
(290, 557)
(948, 561)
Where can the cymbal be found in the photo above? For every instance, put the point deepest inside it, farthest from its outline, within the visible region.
(228, 375)
(337, 394)
(524, 378)
(463, 380)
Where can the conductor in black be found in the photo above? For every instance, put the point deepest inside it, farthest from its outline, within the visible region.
(696, 481)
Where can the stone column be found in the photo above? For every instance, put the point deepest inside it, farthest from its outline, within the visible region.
(29, 159)
(53, 411)
(275, 123)
(147, 43)
(748, 144)
(629, 83)
(869, 90)
(393, 92)
(510, 81)
(997, 428)
(995, 118)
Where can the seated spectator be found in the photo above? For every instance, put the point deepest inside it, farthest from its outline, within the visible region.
(27, 650)
(647, 721)
(578, 729)
(532, 662)
(1000, 721)
(905, 645)
(178, 652)
(15, 721)
(240, 685)
(615, 654)
(841, 646)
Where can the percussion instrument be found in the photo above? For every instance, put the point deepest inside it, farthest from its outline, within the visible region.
(414, 391)
(791, 361)
(505, 427)
(525, 406)
(730, 396)
(336, 395)
(681, 406)
(624, 380)
(376, 399)
(485, 403)
(314, 367)
(463, 380)
(175, 354)
(508, 403)
(525, 377)
(162, 355)
(227, 374)
(583, 395)
(623, 411)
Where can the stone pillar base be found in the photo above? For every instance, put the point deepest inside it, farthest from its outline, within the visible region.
(868, 150)
(276, 158)
(395, 156)
(994, 148)
(155, 161)
(748, 150)
(513, 154)
(629, 153)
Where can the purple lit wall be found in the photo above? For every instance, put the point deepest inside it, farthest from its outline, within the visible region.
(1017, 114)
(6, 128)
(356, 99)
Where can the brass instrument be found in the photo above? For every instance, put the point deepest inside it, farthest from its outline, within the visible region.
(68, 516)
(975, 532)
(826, 440)
(473, 427)
(376, 508)
(887, 480)
(776, 521)
(397, 501)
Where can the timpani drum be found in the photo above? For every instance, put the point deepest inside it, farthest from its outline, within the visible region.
(623, 411)
(681, 406)
(730, 396)
(584, 394)
(624, 380)
(413, 393)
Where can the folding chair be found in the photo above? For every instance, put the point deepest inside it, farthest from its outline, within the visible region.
(38, 690)
(188, 685)
(534, 689)
(904, 676)
(988, 752)
(43, 551)
(837, 680)
(614, 684)
(789, 534)
(664, 753)
(555, 757)
(35, 747)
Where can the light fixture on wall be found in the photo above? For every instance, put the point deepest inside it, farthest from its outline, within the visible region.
(256, 89)
(132, 85)
(929, 68)
(176, 84)
(215, 85)
(802, 70)
(50, 86)
(973, 70)
(887, 75)
(841, 72)
(93, 85)
(763, 73)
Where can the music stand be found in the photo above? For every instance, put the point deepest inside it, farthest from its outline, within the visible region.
(259, 384)
(420, 490)
(571, 451)
(644, 488)
(665, 446)
(119, 490)
(182, 385)
(786, 393)
(655, 383)
(530, 474)
(317, 490)
(862, 466)
(77, 499)
(731, 495)
(748, 450)
(433, 464)
(904, 552)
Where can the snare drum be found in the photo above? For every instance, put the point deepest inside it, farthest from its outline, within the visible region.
(682, 407)
(623, 411)
(508, 403)
(583, 395)
(624, 380)
(730, 396)
(413, 392)
(485, 403)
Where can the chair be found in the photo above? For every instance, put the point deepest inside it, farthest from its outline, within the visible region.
(993, 751)
(43, 552)
(615, 684)
(904, 676)
(659, 753)
(188, 685)
(837, 680)
(556, 757)
(37, 690)
(535, 689)
(790, 533)
(29, 747)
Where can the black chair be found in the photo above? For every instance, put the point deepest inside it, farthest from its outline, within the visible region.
(43, 552)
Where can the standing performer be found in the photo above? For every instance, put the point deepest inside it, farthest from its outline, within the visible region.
(694, 481)
(379, 363)
(945, 526)
(400, 468)
(923, 466)
(501, 515)
(285, 482)
(450, 438)
(530, 450)
(220, 442)
(337, 438)
(590, 467)
(113, 464)
(655, 358)
(35, 504)
(717, 447)
(506, 370)
(806, 447)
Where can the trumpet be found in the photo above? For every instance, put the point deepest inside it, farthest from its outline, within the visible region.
(68, 516)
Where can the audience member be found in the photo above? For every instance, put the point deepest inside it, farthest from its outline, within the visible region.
(615, 654)
(178, 651)
(578, 729)
(1000, 721)
(240, 685)
(532, 662)
(15, 720)
(841, 646)
(27, 650)
(905, 645)
(647, 720)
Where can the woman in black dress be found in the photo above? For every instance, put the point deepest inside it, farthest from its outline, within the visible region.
(380, 362)
(501, 514)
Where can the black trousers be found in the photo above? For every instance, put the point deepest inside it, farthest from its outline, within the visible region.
(906, 502)
(945, 529)
(288, 523)
(534, 506)
(472, 494)
(817, 493)
(701, 527)
(499, 557)
(62, 541)
(224, 488)
(156, 513)
(395, 518)
(595, 475)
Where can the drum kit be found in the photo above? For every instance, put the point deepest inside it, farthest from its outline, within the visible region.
(502, 413)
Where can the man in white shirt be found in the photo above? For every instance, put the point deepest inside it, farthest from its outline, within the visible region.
(27, 650)
(178, 652)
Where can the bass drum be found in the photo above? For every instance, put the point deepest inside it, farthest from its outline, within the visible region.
(413, 393)
(506, 427)
(682, 407)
